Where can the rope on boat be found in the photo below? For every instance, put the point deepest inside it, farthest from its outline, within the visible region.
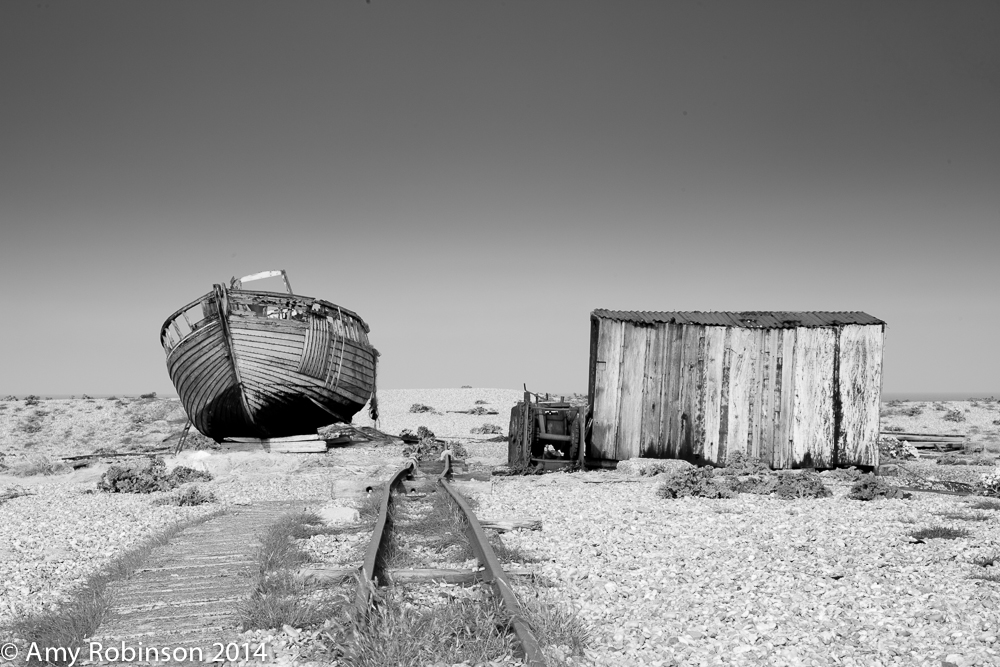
(373, 406)
(343, 343)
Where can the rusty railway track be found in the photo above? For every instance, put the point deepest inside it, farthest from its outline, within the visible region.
(374, 572)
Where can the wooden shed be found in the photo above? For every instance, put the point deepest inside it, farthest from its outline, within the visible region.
(794, 389)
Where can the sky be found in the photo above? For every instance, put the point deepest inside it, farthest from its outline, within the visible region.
(474, 178)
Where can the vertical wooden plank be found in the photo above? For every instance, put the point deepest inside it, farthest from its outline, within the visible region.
(740, 343)
(727, 363)
(671, 403)
(698, 395)
(860, 391)
(652, 393)
(813, 424)
(684, 421)
(692, 351)
(767, 401)
(715, 339)
(754, 375)
(607, 385)
(785, 413)
(632, 385)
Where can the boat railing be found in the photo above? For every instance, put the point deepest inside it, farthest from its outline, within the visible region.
(273, 306)
(184, 322)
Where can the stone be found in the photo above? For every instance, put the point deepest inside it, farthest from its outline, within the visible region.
(337, 515)
(649, 467)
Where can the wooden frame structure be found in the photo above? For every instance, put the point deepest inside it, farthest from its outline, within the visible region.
(537, 422)
(794, 389)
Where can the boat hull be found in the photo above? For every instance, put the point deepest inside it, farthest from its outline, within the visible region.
(265, 365)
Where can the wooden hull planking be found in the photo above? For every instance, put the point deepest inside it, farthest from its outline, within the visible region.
(266, 365)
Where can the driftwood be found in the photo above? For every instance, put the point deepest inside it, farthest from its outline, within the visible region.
(506, 525)
(610, 481)
(117, 455)
(925, 437)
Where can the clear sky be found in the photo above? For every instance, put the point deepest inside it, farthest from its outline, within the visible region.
(473, 178)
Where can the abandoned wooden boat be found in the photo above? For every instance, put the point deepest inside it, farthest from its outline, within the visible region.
(265, 364)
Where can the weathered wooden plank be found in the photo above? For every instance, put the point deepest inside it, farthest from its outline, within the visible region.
(290, 330)
(715, 340)
(189, 368)
(754, 388)
(769, 350)
(673, 367)
(652, 393)
(293, 342)
(693, 419)
(698, 394)
(302, 447)
(287, 354)
(860, 391)
(632, 385)
(785, 397)
(607, 386)
(309, 437)
(740, 374)
(209, 384)
(926, 437)
(813, 423)
(727, 363)
(265, 377)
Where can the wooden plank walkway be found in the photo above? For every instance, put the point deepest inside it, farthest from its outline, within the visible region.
(186, 594)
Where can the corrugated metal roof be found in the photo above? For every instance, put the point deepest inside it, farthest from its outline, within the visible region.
(754, 319)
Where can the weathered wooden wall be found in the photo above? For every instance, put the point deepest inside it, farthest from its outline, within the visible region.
(794, 397)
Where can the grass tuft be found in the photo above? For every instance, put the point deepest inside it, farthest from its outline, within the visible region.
(440, 528)
(506, 553)
(986, 561)
(464, 631)
(987, 504)
(555, 623)
(278, 597)
(962, 516)
(940, 533)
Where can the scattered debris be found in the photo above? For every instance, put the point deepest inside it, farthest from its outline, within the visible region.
(891, 447)
(424, 446)
(12, 492)
(478, 411)
(487, 429)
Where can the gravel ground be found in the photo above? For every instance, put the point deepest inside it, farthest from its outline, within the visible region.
(685, 582)
(394, 410)
(52, 540)
(755, 580)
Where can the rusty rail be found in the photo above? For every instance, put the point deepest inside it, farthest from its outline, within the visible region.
(494, 574)
(373, 569)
